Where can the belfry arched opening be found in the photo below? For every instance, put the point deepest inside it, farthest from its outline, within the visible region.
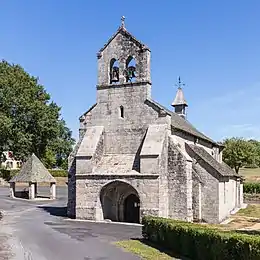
(120, 202)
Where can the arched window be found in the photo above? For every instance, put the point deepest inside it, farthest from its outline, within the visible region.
(114, 71)
(121, 112)
(130, 73)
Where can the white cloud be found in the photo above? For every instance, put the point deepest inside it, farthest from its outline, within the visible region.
(248, 131)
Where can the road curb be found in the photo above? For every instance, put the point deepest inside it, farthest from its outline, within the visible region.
(103, 222)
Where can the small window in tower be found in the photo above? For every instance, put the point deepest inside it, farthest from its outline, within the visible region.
(121, 112)
(114, 71)
(130, 72)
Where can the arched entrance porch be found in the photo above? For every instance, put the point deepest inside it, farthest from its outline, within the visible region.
(120, 202)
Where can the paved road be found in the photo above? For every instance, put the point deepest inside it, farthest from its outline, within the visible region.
(40, 231)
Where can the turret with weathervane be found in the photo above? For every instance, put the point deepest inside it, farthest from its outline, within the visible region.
(179, 102)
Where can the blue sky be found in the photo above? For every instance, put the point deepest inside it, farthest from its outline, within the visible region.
(213, 45)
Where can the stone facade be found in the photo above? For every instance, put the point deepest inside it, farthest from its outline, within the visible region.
(135, 157)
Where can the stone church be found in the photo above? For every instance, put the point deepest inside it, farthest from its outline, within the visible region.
(135, 157)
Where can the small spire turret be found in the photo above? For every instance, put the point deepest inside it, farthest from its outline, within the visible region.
(179, 102)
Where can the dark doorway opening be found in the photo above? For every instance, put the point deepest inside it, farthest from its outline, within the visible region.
(132, 209)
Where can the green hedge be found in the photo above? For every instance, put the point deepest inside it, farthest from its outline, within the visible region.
(251, 187)
(8, 174)
(199, 242)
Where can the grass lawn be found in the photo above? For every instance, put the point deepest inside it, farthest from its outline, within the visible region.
(251, 175)
(145, 251)
(252, 210)
(248, 218)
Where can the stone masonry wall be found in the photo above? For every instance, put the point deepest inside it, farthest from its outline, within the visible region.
(196, 194)
(121, 48)
(124, 135)
(209, 192)
(99, 151)
(163, 181)
(72, 180)
(196, 200)
(179, 184)
(89, 188)
(183, 138)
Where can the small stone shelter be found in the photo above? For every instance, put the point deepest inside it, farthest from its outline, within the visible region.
(33, 172)
(135, 157)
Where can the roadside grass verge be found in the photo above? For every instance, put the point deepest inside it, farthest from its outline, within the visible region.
(145, 250)
(241, 221)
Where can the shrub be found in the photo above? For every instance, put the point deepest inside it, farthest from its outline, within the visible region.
(251, 187)
(58, 173)
(200, 242)
(8, 174)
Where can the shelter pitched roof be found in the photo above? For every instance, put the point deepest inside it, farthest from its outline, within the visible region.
(33, 171)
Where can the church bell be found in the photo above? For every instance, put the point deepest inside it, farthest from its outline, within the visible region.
(131, 72)
(115, 74)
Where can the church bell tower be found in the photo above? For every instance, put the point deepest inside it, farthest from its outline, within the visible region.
(123, 61)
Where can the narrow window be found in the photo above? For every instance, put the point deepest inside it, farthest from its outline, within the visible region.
(122, 112)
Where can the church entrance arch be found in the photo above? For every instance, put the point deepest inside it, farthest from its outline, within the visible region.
(120, 202)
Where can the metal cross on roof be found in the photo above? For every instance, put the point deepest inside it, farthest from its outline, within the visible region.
(123, 21)
(179, 84)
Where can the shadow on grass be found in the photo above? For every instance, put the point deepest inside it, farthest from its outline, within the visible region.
(55, 211)
(160, 248)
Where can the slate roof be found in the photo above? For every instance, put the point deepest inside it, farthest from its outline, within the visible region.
(177, 122)
(182, 124)
(33, 171)
(87, 111)
(222, 168)
(124, 32)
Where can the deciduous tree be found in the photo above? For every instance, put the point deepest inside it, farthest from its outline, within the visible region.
(238, 152)
(29, 121)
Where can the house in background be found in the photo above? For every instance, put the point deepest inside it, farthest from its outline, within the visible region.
(10, 162)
